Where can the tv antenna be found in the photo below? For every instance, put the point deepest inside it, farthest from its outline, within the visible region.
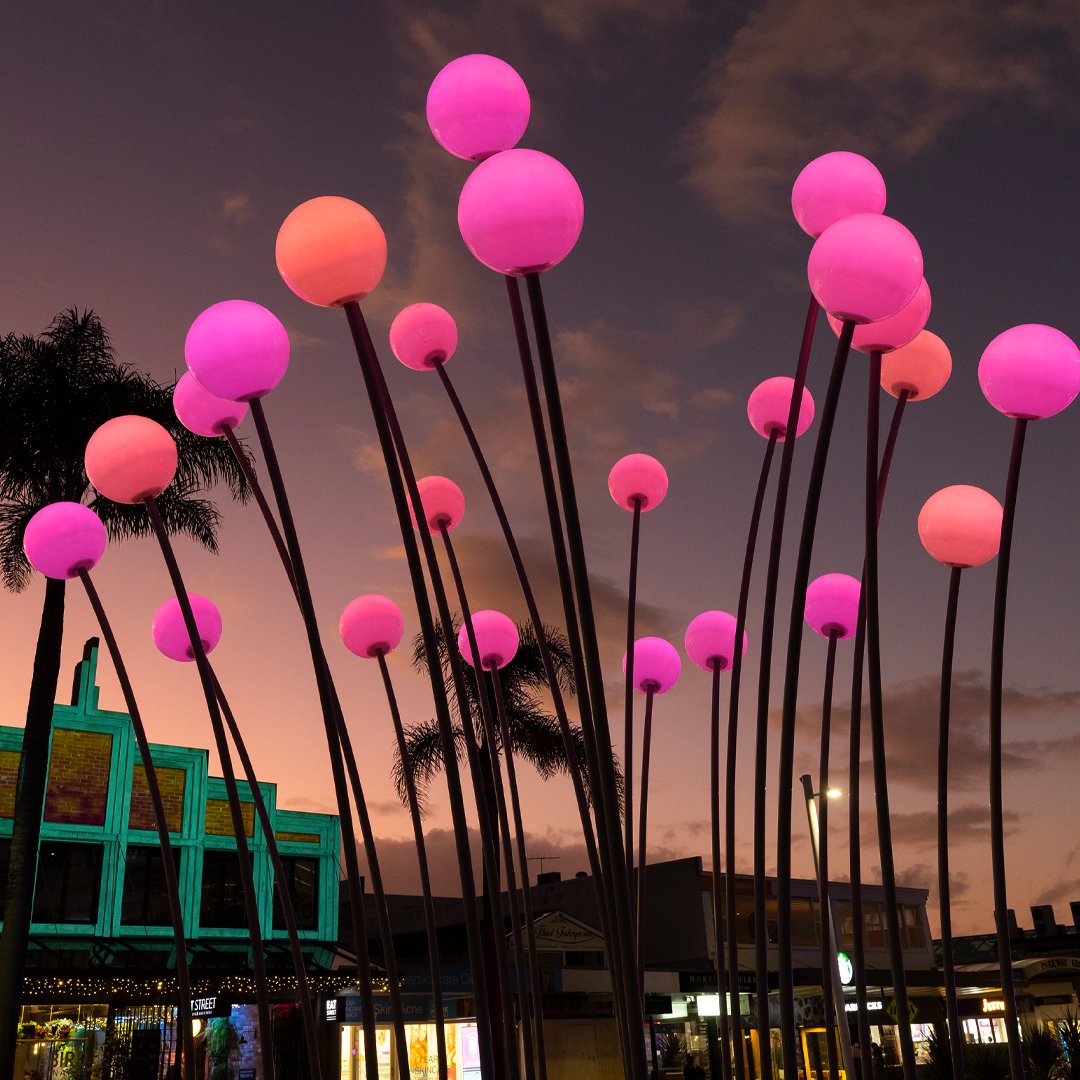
(541, 859)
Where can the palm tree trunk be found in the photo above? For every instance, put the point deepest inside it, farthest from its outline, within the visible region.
(26, 826)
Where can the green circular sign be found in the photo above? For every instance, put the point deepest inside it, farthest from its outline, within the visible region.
(847, 971)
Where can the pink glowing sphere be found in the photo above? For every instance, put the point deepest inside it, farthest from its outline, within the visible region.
(640, 477)
(205, 413)
(237, 350)
(710, 640)
(892, 333)
(170, 632)
(921, 368)
(130, 458)
(1030, 371)
(769, 404)
(443, 503)
(63, 538)
(835, 186)
(520, 212)
(656, 665)
(477, 106)
(832, 605)
(331, 251)
(423, 335)
(371, 625)
(497, 639)
(961, 526)
(865, 268)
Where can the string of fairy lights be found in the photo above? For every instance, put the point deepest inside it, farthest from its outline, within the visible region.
(111, 988)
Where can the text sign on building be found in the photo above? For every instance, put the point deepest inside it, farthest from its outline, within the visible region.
(557, 931)
(204, 1008)
(990, 1005)
(871, 1006)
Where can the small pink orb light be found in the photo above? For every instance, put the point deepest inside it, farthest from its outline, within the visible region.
(497, 639)
(769, 404)
(237, 350)
(331, 251)
(205, 413)
(921, 368)
(171, 636)
(443, 503)
(834, 186)
(710, 640)
(130, 458)
(63, 538)
(1030, 371)
(892, 333)
(371, 625)
(656, 665)
(961, 526)
(477, 106)
(520, 212)
(865, 268)
(638, 476)
(423, 335)
(832, 605)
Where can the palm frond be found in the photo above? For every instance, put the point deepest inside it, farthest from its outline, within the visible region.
(424, 746)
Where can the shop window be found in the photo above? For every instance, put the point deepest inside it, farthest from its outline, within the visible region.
(145, 900)
(221, 904)
(68, 883)
(302, 881)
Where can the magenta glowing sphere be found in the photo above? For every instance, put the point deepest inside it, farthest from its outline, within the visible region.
(477, 106)
(769, 404)
(130, 458)
(371, 625)
(638, 476)
(656, 665)
(710, 640)
(170, 632)
(1030, 371)
(921, 368)
(865, 268)
(520, 212)
(961, 526)
(423, 335)
(205, 413)
(497, 639)
(832, 604)
(896, 331)
(237, 350)
(443, 503)
(63, 538)
(835, 186)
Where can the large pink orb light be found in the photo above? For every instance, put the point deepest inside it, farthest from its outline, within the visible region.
(331, 251)
(443, 503)
(896, 331)
(638, 477)
(477, 106)
(961, 526)
(520, 212)
(63, 538)
(921, 367)
(237, 350)
(769, 404)
(205, 413)
(423, 335)
(656, 665)
(497, 639)
(710, 640)
(865, 268)
(1030, 371)
(130, 459)
(834, 186)
(170, 632)
(371, 625)
(832, 605)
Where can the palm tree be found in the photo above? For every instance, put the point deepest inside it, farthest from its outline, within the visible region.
(55, 391)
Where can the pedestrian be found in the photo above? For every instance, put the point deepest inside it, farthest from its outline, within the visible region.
(691, 1070)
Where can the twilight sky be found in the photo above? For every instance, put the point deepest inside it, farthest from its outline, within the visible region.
(152, 150)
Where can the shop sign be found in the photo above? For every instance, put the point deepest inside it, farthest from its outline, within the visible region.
(246, 1074)
(992, 1005)
(559, 932)
(205, 1008)
(871, 1006)
(690, 982)
(331, 1009)
(890, 1009)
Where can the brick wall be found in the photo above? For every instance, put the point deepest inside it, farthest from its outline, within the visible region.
(172, 783)
(9, 781)
(219, 818)
(78, 791)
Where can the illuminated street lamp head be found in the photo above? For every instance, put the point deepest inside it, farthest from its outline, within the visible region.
(833, 793)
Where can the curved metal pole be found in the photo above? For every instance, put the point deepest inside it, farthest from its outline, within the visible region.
(172, 887)
(646, 745)
(628, 693)
(729, 885)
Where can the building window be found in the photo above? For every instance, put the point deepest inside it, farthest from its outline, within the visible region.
(222, 899)
(68, 883)
(302, 881)
(145, 899)
(804, 922)
(874, 922)
(911, 931)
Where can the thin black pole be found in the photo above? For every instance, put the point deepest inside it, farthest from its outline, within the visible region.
(642, 874)
(628, 693)
(997, 818)
(948, 963)
(172, 887)
(719, 889)
(761, 748)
